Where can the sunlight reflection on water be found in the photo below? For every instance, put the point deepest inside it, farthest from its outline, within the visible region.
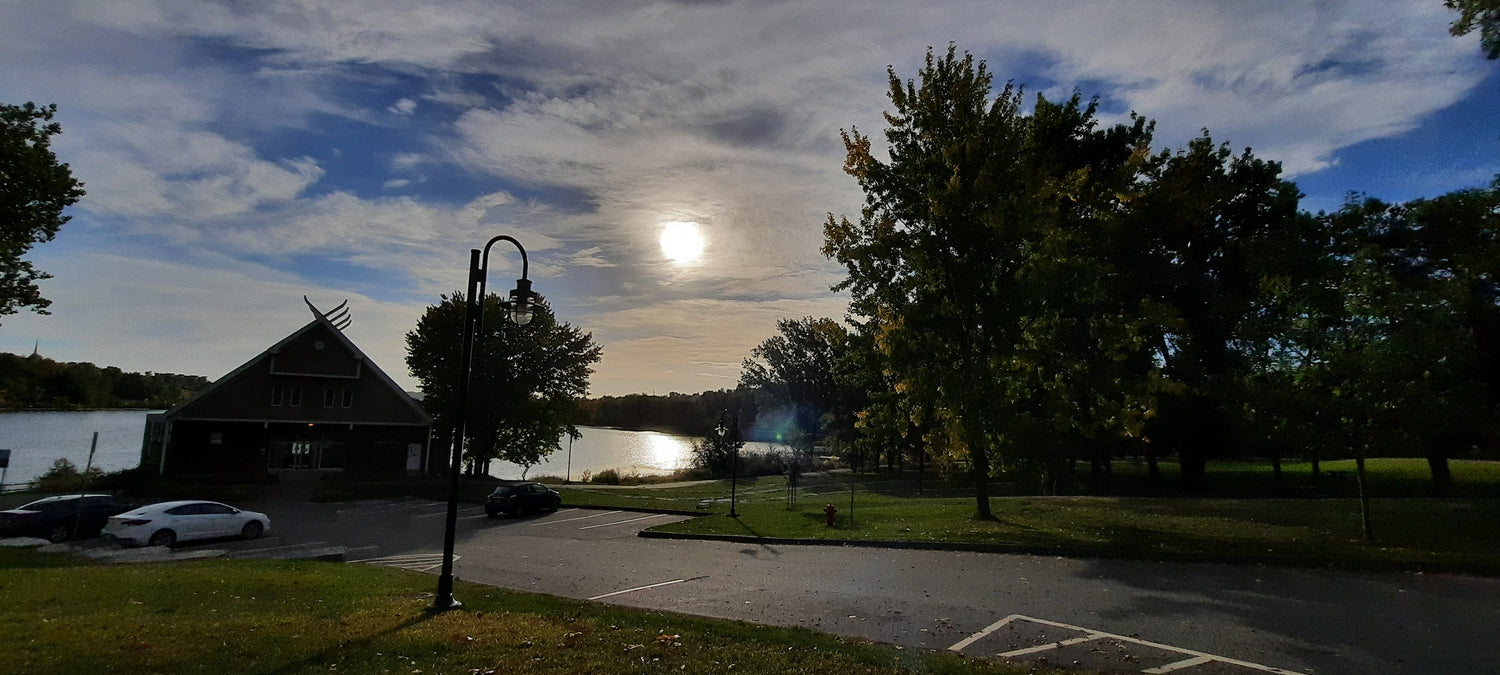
(641, 452)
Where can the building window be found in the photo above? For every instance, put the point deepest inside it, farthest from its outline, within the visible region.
(348, 397)
(276, 395)
(328, 397)
(294, 396)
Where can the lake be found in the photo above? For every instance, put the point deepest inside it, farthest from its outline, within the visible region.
(37, 439)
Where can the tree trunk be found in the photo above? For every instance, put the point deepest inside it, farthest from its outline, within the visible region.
(1442, 476)
(1364, 496)
(979, 461)
(1276, 467)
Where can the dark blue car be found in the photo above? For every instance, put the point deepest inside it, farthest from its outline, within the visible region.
(515, 497)
(62, 517)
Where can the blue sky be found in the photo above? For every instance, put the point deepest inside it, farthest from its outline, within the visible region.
(238, 156)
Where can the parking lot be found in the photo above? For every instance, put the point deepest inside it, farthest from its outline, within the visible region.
(1129, 616)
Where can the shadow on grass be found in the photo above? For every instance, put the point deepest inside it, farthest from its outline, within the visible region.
(325, 655)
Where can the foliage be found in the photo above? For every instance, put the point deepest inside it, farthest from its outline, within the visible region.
(64, 476)
(1481, 14)
(34, 190)
(972, 243)
(526, 380)
(40, 382)
(793, 372)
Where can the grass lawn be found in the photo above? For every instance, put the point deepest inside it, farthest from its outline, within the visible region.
(1415, 533)
(305, 617)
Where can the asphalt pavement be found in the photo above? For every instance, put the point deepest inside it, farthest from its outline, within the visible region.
(1132, 616)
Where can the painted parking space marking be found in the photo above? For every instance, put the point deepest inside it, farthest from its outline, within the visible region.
(386, 506)
(1194, 658)
(417, 562)
(569, 520)
(444, 512)
(646, 587)
(622, 522)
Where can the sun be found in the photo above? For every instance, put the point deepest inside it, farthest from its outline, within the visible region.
(682, 242)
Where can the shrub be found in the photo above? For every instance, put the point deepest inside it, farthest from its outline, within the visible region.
(606, 477)
(64, 476)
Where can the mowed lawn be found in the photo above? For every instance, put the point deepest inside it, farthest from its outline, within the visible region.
(1410, 532)
(220, 616)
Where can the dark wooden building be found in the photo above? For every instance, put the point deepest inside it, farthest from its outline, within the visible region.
(312, 402)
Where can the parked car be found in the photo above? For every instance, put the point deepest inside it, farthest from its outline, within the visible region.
(61, 517)
(167, 523)
(513, 497)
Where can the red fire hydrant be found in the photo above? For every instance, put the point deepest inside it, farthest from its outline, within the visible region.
(829, 511)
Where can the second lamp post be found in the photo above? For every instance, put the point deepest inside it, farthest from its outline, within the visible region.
(731, 434)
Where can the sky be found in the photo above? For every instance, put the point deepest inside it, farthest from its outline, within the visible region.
(240, 155)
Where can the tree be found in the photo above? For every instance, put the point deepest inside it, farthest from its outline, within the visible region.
(527, 380)
(1207, 244)
(1418, 372)
(1481, 14)
(967, 244)
(794, 372)
(34, 190)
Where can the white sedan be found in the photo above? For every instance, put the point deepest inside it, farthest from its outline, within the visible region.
(167, 523)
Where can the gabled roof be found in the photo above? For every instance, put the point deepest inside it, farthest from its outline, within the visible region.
(266, 357)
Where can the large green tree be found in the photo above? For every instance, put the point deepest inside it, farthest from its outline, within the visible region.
(1208, 244)
(793, 372)
(526, 383)
(973, 244)
(34, 190)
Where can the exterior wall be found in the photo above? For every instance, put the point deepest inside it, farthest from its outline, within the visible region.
(311, 402)
(255, 448)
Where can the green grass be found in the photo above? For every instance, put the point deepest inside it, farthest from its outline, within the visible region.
(305, 617)
(1411, 531)
(1456, 535)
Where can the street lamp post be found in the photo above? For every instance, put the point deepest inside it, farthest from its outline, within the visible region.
(520, 313)
(732, 432)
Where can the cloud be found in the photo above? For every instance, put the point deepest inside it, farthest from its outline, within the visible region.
(404, 106)
(367, 147)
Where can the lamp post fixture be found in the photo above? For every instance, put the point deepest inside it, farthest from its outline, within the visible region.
(732, 431)
(520, 306)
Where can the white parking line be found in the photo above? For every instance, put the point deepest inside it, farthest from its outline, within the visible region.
(273, 548)
(622, 522)
(646, 587)
(420, 562)
(444, 512)
(569, 520)
(1196, 657)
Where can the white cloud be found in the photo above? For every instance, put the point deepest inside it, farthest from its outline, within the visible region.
(403, 107)
(587, 126)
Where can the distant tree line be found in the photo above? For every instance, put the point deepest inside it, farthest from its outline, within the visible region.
(684, 414)
(39, 383)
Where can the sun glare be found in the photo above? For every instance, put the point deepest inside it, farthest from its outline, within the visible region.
(681, 242)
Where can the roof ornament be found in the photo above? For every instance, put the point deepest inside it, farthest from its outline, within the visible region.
(338, 316)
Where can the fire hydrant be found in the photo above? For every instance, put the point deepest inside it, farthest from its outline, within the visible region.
(829, 511)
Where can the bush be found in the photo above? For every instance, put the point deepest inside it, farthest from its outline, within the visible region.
(606, 477)
(64, 476)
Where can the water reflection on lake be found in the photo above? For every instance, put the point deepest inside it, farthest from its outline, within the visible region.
(641, 452)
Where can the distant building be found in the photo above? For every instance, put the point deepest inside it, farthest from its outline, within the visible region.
(313, 402)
